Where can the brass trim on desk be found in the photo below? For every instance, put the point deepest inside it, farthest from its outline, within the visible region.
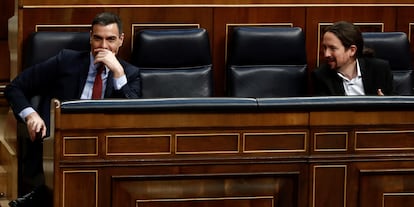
(316, 149)
(236, 135)
(304, 149)
(381, 148)
(81, 171)
(64, 143)
(207, 199)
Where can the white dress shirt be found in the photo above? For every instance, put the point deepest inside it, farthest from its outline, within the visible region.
(353, 87)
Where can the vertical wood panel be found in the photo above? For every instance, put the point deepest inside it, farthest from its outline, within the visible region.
(405, 23)
(80, 189)
(209, 191)
(329, 185)
(387, 188)
(6, 11)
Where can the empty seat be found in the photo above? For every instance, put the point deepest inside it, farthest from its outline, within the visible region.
(394, 47)
(174, 63)
(267, 62)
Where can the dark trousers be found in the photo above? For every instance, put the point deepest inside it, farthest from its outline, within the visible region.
(30, 162)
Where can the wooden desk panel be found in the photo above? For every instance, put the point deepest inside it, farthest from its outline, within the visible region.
(267, 158)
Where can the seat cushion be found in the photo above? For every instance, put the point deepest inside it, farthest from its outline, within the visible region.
(403, 82)
(267, 81)
(177, 82)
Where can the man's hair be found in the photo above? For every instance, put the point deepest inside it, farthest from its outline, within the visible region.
(106, 18)
(348, 34)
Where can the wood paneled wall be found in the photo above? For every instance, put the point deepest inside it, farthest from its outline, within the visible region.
(217, 16)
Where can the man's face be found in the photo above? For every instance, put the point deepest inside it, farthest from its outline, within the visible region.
(106, 37)
(336, 55)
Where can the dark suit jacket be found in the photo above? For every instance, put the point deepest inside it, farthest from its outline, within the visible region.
(376, 74)
(63, 77)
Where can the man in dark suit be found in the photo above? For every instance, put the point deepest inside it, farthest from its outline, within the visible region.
(66, 76)
(349, 69)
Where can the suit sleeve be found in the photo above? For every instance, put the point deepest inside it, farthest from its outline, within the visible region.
(30, 82)
(382, 70)
(133, 87)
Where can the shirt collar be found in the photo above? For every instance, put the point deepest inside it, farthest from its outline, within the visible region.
(358, 69)
(359, 75)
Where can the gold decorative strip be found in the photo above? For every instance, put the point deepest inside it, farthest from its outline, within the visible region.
(410, 25)
(179, 137)
(400, 170)
(66, 26)
(145, 144)
(315, 142)
(68, 139)
(208, 199)
(65, 172)
(2, 88)
(314, 181)
(28, 6)
(303, 149)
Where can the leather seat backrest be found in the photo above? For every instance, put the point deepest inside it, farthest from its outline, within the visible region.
(174, 63)
(395, 48)
(45, 44)
(267, 62)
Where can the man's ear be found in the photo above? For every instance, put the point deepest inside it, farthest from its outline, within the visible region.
(121, 37)
(353, 49)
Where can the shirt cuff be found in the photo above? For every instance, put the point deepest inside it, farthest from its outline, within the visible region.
(25, 112)
(120, 82)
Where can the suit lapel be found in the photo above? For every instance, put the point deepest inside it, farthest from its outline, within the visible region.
(109, 85)
(337, 85)
(365, 78)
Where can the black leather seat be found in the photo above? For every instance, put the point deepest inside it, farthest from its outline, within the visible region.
(43, 45)
(267, 62)
(394, 47)
(174, 63)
